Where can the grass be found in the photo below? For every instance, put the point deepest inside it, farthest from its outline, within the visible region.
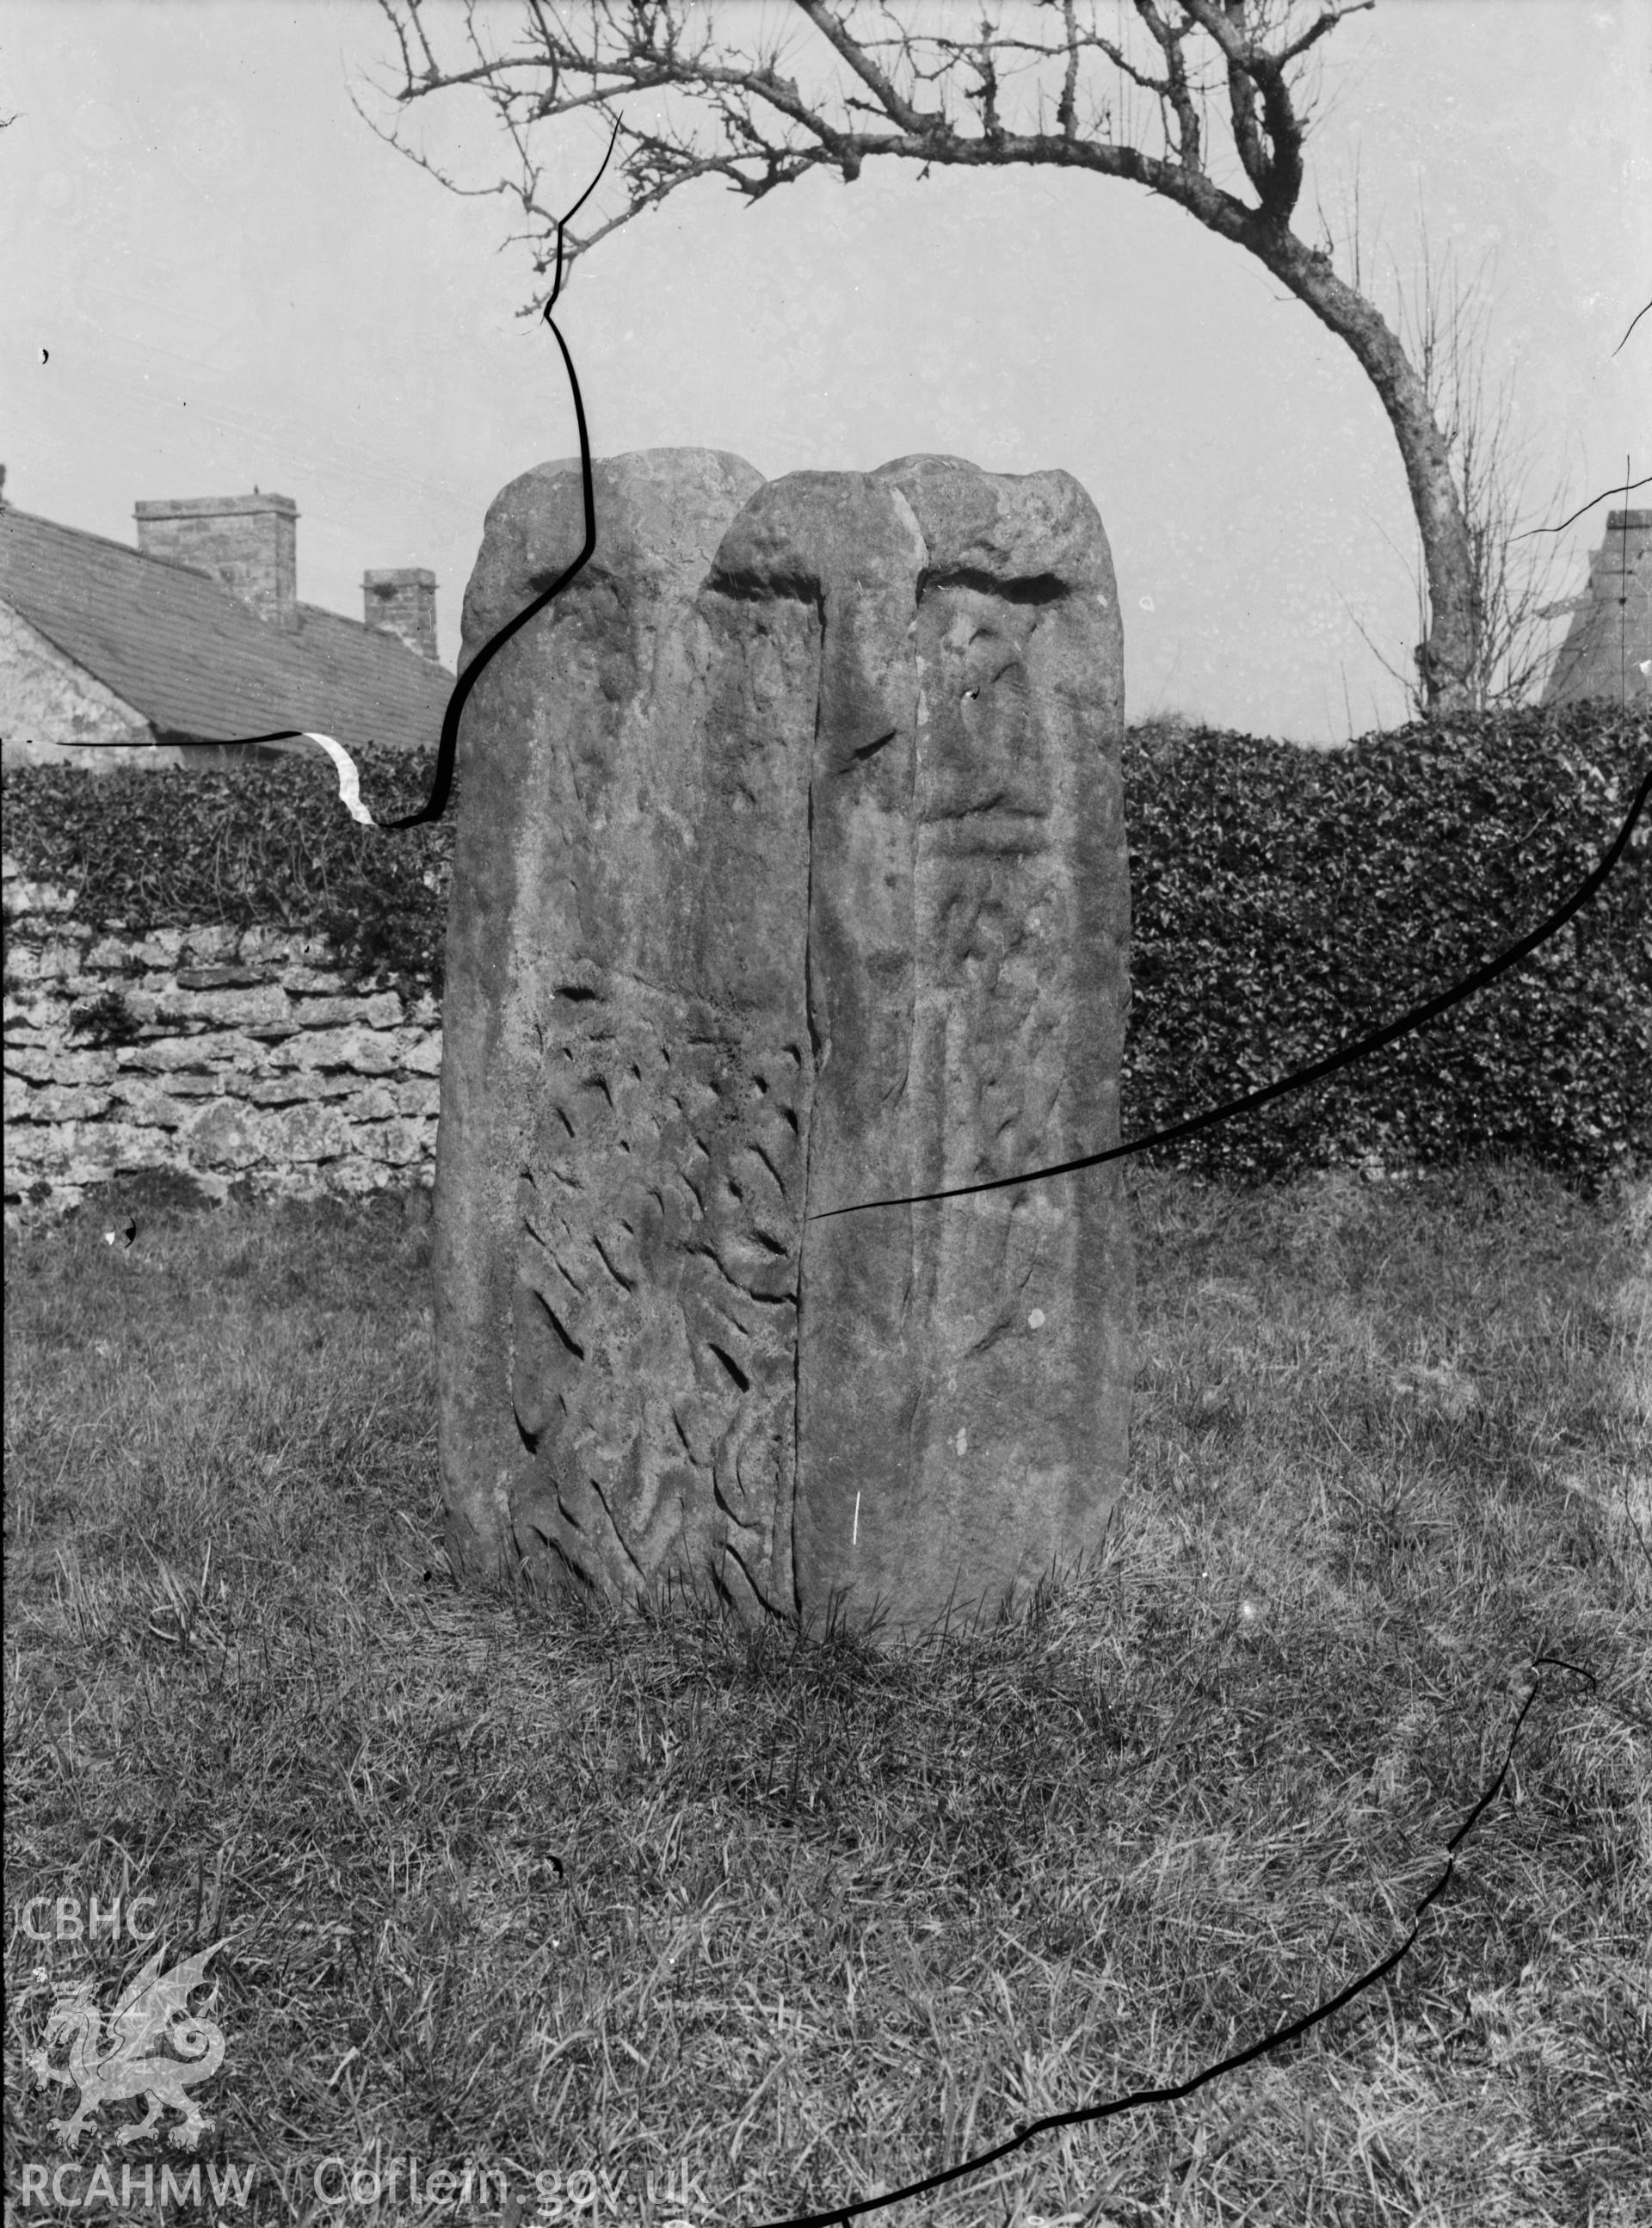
(639, 1904)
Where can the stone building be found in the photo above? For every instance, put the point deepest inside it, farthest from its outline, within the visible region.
(1608, 646)
(197, 637)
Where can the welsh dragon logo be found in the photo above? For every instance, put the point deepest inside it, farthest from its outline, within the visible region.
(151, 2021)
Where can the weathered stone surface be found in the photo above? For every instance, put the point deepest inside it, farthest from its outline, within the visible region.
(623, 1036)
(225, 1134)
(397, 1143)
(789, 871)
(227, 1009)
(208, 945)
(40, 1067)
(365, 1052)
(380, 1011)
(221, 978)
(21, 896)
(419, 1097)
(964, 1366)
(311, 1132)
(162, 947)
(198, 1087)
(51, 962)
(298, 1086)
(55, 1102)
(153, 1108)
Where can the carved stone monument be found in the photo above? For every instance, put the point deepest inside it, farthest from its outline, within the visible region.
(790, 872)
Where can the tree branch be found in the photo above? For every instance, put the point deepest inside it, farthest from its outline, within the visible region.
(912, 120)
(771, 132)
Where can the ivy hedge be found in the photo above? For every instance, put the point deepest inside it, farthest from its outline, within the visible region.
(1287, 902)
(261, 844)
(1283, 902)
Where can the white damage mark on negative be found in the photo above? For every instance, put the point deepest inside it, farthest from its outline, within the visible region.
(856, 1534)
(961, 1442)
(1035, 1321)
(349, 782)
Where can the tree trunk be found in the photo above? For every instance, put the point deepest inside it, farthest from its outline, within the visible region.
(1445, 661)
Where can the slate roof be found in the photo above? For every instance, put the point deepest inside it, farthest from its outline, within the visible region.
(196, 663)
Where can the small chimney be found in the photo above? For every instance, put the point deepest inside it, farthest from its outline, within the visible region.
(403, 603)
(247, 543)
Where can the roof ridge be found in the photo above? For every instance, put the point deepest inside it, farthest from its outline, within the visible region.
(187, 656)
(129, 549)
(375, 634)
(195, 573)
(107, 541)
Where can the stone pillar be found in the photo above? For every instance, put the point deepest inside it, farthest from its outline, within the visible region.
(790, 871)
(964, 1367)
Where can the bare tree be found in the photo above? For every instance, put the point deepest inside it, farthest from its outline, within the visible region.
(1444, 326)
(1170, 70)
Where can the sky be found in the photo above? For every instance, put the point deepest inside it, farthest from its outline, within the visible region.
(217, 278)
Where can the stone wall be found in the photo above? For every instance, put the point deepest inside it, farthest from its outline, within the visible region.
(221, 1052)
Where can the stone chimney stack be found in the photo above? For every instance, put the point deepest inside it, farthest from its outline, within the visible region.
(403, 603)
(1610, 634)
(247, 543)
